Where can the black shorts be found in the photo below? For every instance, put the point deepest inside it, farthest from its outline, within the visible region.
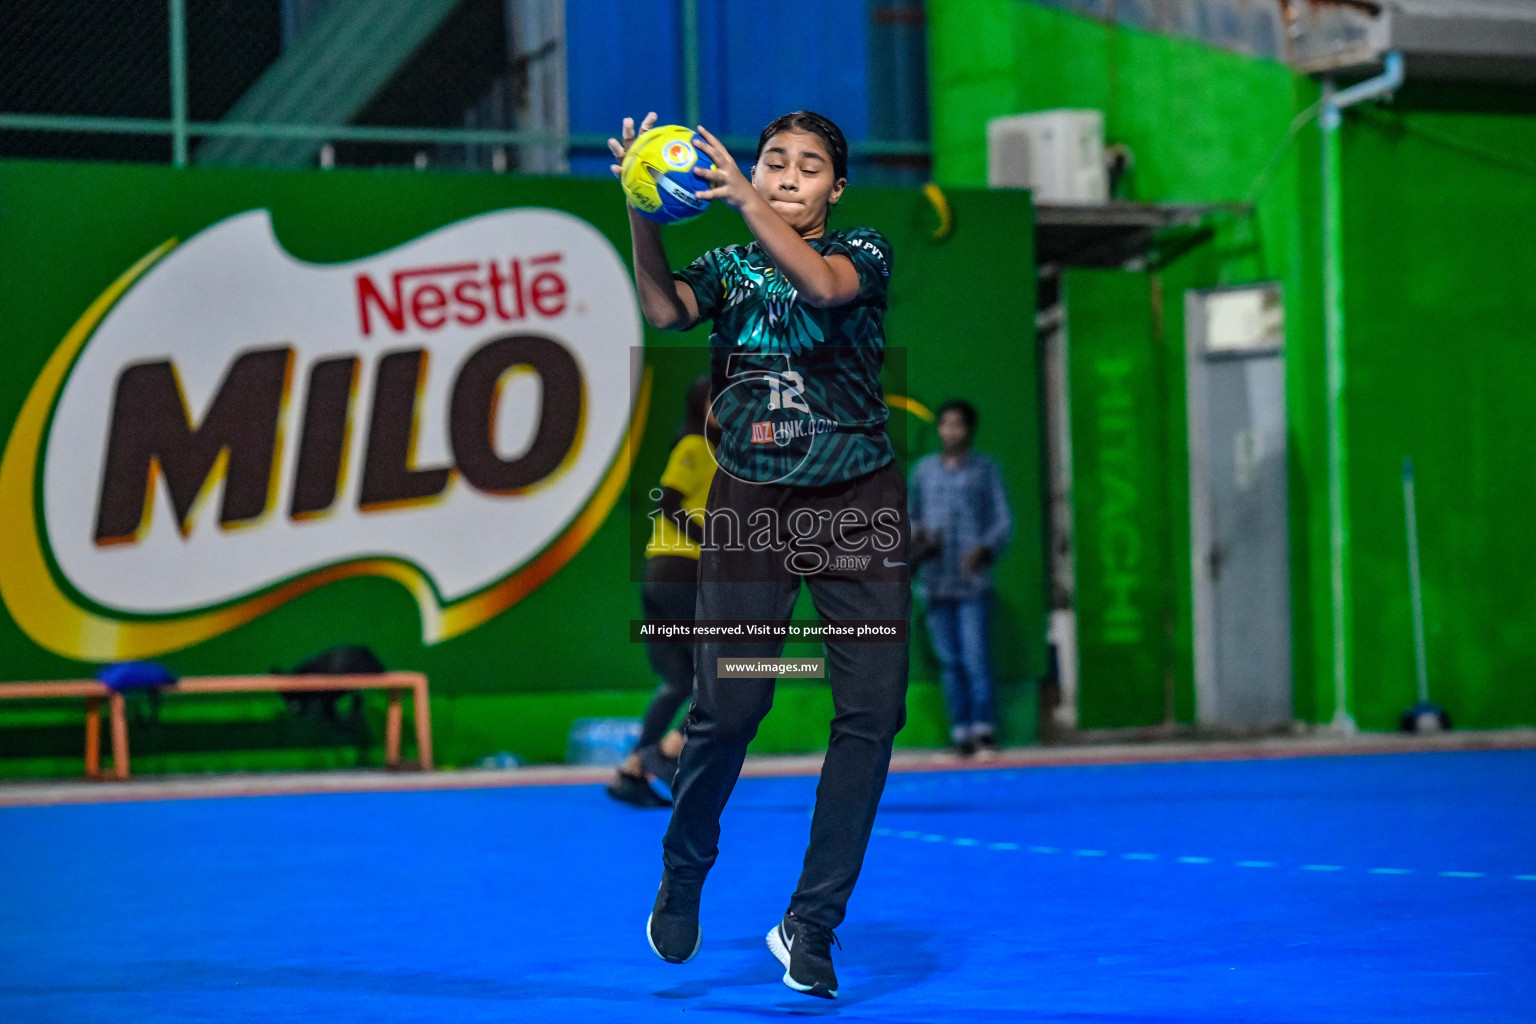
(770, 533)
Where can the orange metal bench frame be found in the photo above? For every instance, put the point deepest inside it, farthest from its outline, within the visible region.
(394, 683)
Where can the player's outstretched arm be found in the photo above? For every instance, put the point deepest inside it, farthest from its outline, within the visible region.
(820, 280)
(668, 304)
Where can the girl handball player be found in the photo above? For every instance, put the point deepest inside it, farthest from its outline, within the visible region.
(806, 489)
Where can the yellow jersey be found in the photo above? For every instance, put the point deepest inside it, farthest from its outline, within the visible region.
(690, 468)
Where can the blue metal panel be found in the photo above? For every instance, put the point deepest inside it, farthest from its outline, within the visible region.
(762, 60)
(756, 61)
(624, 59)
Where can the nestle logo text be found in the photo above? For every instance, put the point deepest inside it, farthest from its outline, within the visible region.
(428, 298)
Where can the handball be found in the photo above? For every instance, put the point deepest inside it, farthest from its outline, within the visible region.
(658, 175)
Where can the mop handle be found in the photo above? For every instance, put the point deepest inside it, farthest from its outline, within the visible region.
(1410, 515)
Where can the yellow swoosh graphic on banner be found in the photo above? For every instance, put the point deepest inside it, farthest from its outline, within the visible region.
(54, 621)
(911, 405)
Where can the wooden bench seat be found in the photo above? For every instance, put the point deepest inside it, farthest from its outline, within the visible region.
(395, 684)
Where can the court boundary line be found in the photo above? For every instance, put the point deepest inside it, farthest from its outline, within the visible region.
(1280, 867)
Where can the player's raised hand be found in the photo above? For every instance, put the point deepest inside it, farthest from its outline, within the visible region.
(618, 147)
(730, 185)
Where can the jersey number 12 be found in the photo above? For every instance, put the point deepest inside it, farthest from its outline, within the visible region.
(785, 390)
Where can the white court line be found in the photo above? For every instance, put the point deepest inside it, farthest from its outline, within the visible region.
(933, 837)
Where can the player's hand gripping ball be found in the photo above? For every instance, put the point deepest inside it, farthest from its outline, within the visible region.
(658, 175)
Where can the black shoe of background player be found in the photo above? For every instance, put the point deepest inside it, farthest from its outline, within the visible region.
(634, 790)
(986, 747)
(965, 747)
(658, 764)
(673, 927)
(805, 950)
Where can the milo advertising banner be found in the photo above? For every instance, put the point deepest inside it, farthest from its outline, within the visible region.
(228, 426)
(252, 415)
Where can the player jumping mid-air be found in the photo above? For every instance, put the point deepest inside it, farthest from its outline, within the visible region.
(807, 474)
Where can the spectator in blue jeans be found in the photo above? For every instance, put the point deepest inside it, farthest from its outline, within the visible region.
(960, 523)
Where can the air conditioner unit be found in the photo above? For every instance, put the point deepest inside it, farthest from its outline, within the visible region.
(1059, 154)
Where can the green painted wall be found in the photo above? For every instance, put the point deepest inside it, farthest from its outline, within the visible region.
(1440, 292)
(1438, 197)
(517, 682)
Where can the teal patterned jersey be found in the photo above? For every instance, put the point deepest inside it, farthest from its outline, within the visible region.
(796, 389)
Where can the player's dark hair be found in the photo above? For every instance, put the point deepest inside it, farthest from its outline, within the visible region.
(966, 410)
(830, 135)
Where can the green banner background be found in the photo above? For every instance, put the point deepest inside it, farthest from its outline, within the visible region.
(961, 308)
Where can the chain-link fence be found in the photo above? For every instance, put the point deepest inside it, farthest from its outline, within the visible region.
(464, 84)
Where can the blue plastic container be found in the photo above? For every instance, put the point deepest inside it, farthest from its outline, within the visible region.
(605, 741)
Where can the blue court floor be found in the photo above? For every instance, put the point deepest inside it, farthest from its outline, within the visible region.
(1394, 888)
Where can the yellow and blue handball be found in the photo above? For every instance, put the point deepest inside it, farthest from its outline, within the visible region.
(658, 175)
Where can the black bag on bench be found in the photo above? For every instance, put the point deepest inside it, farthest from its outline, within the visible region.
(347, 660)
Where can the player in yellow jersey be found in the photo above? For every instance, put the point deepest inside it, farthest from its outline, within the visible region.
(668, 593)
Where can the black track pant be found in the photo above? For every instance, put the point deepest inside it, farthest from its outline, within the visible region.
(869, 680)
(669, 591)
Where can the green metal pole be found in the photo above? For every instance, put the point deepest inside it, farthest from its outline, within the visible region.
(1331, 121)
(691, 111)
(1333, 346)
(179, 82)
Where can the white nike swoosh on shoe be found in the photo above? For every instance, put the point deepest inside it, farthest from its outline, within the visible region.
(779, 946)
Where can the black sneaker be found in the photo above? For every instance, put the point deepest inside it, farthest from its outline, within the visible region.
(805, 950)
(965, 748)
(634, 790)
(986, 747)
(658, 764)
(673, 927)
